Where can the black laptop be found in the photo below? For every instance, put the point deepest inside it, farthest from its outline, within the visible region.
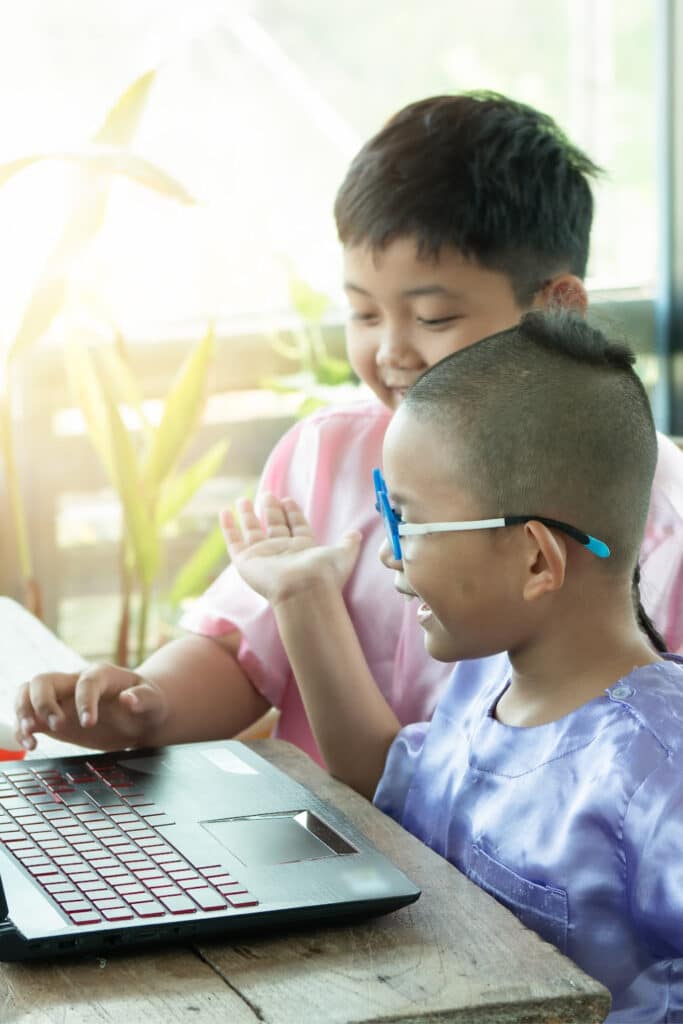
(136, 847)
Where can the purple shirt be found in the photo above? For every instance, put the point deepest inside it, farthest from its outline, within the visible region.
(576, 826)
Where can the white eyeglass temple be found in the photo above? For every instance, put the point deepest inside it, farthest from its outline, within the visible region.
(411, 529)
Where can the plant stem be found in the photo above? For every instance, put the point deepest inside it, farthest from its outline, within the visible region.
(121, 655)
(14, 491)
(142, 620)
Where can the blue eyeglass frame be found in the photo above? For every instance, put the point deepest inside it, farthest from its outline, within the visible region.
(396, 528)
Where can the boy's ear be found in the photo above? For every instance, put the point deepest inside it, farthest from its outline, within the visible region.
(565, 290)
(547, 561)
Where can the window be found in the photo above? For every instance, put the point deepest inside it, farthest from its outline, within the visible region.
(259, 105)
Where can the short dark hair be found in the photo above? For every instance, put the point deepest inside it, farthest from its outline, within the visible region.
(492, 177)
(553, 421)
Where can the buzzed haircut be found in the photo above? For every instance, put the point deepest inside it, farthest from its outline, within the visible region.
(493, 178)
(550, 419)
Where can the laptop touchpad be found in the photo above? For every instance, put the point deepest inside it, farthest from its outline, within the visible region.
(278, 838)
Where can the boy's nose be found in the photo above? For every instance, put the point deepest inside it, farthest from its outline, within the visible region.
(396, 349)
(386, 557)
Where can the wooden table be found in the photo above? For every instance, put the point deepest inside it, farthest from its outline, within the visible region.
(455, 955)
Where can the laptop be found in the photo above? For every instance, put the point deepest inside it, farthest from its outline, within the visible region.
(195, 840)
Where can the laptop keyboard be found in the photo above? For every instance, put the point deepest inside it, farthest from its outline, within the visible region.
(102, 859)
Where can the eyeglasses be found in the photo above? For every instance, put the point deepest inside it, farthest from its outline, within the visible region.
(396, 528)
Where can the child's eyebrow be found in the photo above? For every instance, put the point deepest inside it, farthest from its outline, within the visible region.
(349, 286)
(431, 289)
(409, 293)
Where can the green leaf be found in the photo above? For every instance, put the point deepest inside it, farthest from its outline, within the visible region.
(332, 371)
(196, 574)
(289, 382)
(308, 303)
(104, 159)
(123, 381)
(101, 158)
(288, 347)
(122, 120)
(178, 491)
(12, 167)
(309, 405)
(182, 410)
(85, 387)
(139, 524)
(43, 306)
(118, 128)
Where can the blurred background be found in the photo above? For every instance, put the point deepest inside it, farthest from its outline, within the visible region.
(168, 168)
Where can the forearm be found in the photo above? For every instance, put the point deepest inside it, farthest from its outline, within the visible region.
(208, 694)
(352, 722)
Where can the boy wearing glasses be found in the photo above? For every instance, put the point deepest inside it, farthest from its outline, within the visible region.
(518, 476)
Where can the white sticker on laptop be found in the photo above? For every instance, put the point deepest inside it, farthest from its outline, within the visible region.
(227, 761)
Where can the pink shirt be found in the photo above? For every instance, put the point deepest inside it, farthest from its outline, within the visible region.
(325, 463)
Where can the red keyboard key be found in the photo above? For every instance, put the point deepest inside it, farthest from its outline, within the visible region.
(164, 890)
(86, 917)
(138, 897)
(157, 820)
(83, 876)
(99, 890)
(179, 905)
(74, 869)
(243, 900)
(110, 903)
(228, 887)
(55, 846)
(35, 861)
(74, 906)
(118, 914)
(65, 895)
(150, 908)
(130, 888)
(208, 899)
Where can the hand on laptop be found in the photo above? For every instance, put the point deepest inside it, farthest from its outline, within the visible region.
(103, 706)
(278, 556)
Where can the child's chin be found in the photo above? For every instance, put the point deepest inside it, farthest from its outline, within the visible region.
(441, 648)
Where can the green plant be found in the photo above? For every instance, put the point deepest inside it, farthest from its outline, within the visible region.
(320, 373)
(142, 466)
(108, 155)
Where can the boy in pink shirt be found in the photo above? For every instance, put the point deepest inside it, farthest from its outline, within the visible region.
(460, 215)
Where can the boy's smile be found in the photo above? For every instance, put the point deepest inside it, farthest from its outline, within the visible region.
(407, 312)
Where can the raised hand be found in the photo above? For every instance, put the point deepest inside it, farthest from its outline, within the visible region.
(279, 557)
